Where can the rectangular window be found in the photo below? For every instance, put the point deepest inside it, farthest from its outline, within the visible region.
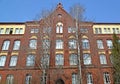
(28, 79)
(103, 59)
(100, 44)
(73, 59)
(71, 30)
(98, 31)
(13, 61)
(7, 31)
(83, 30)
(34, 30)
(6, 45)
(89, 78)
(109, 44)
(17, 31)
(33, 44)
(59, 59)
(85, 44)
(10, 79)
(74, 78)
(106, 77)
(87, 59)
(16, 45)
(46, 44)
(59, 44)
(30, 61)
(72, 44)
(1, 30)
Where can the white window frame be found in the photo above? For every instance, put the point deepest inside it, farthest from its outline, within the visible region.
(87, 59)
(28, 79)
(73, 59)
(85, 44)
(106, 77)
(30, 61)
(74, 78)
(1, 30)
(59, 44)
(100, 44)
(13, 61)
(16, 45)
(72, 44)
(2, 60)
(109, 44)
(6, 45)
(45, 61)
(33, 43)
(59, 59)
(89, 78)
(103, 59)
(10, 79)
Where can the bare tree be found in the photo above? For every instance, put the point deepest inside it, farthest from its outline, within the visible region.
(76, 11)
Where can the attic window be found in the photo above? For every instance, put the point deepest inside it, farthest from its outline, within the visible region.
(59, 15)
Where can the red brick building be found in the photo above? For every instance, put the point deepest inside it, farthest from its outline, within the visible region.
(35, 51)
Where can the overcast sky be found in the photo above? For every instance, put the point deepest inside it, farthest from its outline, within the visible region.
(26, 10)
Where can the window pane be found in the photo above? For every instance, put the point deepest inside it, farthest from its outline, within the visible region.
(2, 60)
(85, 44)
(72, 44)
(100, 44)
(109, 44)
(16, 45)
(33, 44)
(73, 59)
(10, 79)
(89, 78)
(59, 44)
(7, 31)
(30, 60)
(17, 31)
(13, 61)
(103, 59)
(74, 78)
(28, 79)
(46, 44)
(106, 78)
(6, 45)
(59, 59)
(45, 61)
(87, 59)
(1, 30)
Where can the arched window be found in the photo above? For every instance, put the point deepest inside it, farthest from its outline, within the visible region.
(6, 45)
(30, 60)
(59, 27)
(74, 78)
(16, 45)
(89, 78)
(13, 60)
(28, 79)
(10, 79)
(73, 59)
(85, 44)
(2, 60)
